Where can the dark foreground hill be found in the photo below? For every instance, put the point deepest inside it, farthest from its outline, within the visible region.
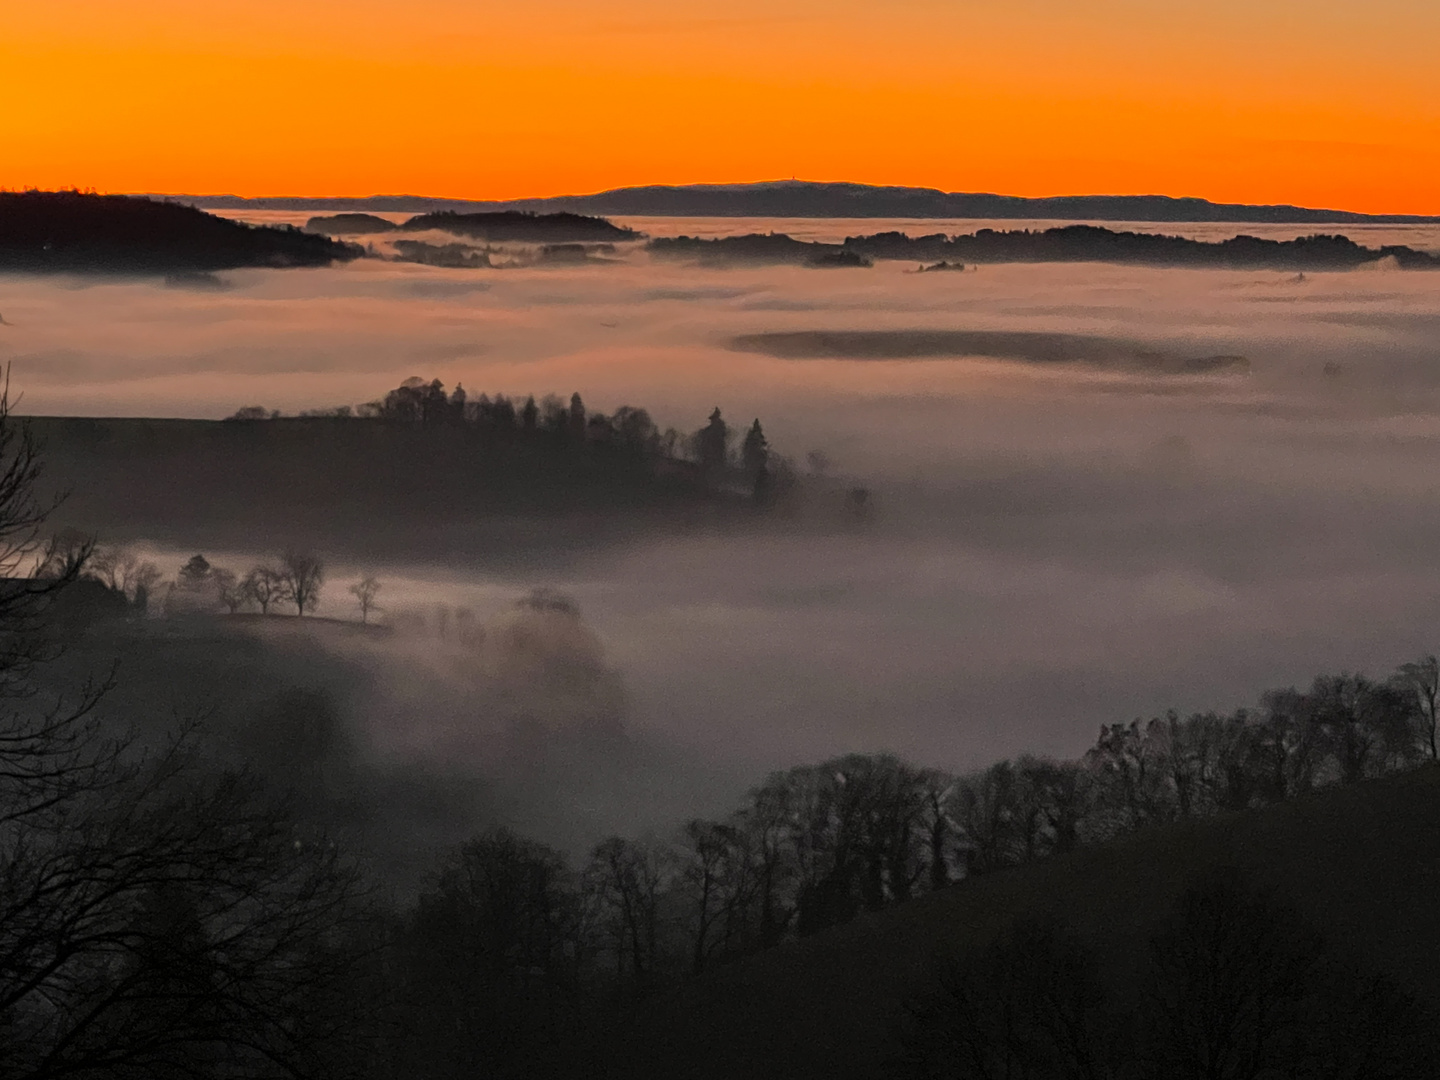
(1362, 863)
(367, 487)
(73, 231)
(1072, 243)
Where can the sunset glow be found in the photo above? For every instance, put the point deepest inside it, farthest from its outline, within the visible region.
(1329, 104)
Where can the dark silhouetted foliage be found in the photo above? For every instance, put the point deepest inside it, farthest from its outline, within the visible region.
(561, 228)
(349, 225)
(1238, 987)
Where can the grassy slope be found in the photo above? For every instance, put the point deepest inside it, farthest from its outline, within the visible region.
(1364, 863)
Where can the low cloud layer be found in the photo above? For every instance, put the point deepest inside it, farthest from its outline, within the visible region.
(1031, 346)
(1054, 546)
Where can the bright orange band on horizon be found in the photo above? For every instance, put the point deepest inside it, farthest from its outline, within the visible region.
(1331, 108)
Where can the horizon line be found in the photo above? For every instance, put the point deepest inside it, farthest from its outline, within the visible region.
(741, 184)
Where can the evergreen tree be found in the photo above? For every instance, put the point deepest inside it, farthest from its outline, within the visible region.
(755, 460)
(710, 444)
(755, 453)
(577, 418)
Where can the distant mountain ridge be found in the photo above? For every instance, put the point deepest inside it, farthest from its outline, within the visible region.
(809, 199)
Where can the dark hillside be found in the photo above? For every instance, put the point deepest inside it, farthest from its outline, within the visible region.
(1362, 862)
(359, 485)
(73, 231)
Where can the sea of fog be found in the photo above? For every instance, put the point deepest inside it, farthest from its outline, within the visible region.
(1054, 547)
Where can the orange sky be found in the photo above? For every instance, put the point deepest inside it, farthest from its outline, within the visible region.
(1321, 102)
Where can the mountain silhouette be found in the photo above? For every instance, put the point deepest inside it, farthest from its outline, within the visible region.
(809, 199)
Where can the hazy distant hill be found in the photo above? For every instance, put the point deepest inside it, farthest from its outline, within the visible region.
(807, 199)
(71, 231)
(1360, 862)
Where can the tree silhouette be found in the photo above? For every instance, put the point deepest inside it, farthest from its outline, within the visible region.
(195, 574)
(365, 591)
(577, 419)
(1422, 679)
(1031, 1005)
(301, 575)
(755, 461)
(264, 585)
(232, 591)
(711, 446)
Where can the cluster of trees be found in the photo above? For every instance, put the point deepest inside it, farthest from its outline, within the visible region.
(713, 453)
(816, 845)
(296, 578)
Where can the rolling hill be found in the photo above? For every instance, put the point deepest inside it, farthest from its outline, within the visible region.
(71, 231)
(1363, 863)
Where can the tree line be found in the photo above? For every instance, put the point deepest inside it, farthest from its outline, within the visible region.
(716, 455)
(816, 845)
(1067, 243)
(295, 578)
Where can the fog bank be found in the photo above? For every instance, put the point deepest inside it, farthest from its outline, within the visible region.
(1054, 545)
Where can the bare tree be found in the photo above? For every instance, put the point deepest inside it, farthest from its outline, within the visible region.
(156, 919)
(1422, 679)
(265, 586)
(1365, 726)
(625, 880)
(64, 556)
(231, 590)
(365, 591)
(144, 579)
(718, 879)
(301, 577)
(121, 569)
(1031, 1004)
(1233, 975)
(108, 565)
